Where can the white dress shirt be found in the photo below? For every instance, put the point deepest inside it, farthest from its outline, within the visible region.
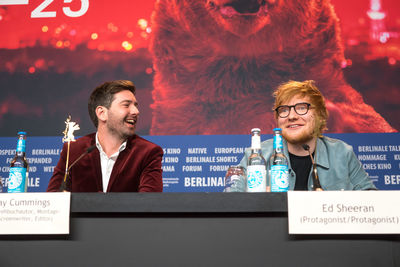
(107, 163)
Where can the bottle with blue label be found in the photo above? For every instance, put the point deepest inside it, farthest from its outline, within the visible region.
(18, 177)
(279, 172)
(257, 166)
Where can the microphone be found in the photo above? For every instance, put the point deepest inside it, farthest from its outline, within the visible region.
(317, 185)
(65, 185)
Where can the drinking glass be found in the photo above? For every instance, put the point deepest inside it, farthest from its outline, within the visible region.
(235, 179)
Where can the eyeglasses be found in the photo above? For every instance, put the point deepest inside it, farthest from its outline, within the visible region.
(300, 108)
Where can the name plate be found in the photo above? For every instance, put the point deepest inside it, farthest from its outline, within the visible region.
(344, 212)
(34, 213)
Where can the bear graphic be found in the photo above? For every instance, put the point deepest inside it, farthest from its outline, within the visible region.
(217, 63)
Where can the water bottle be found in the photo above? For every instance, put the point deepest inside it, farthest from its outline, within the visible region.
(257, 166)
(279, 172)
(18, 177)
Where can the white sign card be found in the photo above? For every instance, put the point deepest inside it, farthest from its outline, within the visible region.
(344, 212)
(34, 213)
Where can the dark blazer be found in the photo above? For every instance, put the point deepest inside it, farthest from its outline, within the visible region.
(137, 168)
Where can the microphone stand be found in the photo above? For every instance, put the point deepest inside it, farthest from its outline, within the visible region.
(316, 183)
(65, 185)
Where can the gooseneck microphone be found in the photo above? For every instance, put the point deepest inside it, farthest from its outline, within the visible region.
(317, 185)
(65, 185)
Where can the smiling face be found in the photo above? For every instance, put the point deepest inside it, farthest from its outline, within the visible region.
(298, 129)
(121, 118)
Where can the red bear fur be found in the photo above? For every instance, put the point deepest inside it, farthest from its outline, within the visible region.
(216, 68)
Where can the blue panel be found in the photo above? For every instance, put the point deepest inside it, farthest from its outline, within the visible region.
(198, 163)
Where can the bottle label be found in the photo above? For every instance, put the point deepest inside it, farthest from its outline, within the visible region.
(256, 178)
(21, 145)
(278, 141)
(255, 142)
(17, 180)
(279, 178)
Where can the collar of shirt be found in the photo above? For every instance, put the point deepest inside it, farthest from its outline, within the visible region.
(107, 163)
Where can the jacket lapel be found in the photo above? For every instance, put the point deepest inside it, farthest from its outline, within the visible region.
(95, 162)
(120, 162)
(321, 157)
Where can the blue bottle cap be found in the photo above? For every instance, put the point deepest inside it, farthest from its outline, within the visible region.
(24, 133)
(277, 129)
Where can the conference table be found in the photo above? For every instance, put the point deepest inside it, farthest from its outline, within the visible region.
(191, 229)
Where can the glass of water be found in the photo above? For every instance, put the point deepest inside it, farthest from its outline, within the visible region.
(235, 179)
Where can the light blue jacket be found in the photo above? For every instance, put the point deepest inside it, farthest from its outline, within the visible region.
(337, 166)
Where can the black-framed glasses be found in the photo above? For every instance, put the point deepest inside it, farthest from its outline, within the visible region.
(300, 108)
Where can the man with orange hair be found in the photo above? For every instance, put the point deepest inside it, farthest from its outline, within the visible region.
(301, 113)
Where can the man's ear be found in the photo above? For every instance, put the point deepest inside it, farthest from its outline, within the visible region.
(102, 113)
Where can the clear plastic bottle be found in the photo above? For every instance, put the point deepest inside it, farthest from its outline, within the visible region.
(279, 172)
(257, 166)
(18, 176)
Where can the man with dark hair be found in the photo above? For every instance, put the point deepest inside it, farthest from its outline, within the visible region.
(121, 161)
(301, 113)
